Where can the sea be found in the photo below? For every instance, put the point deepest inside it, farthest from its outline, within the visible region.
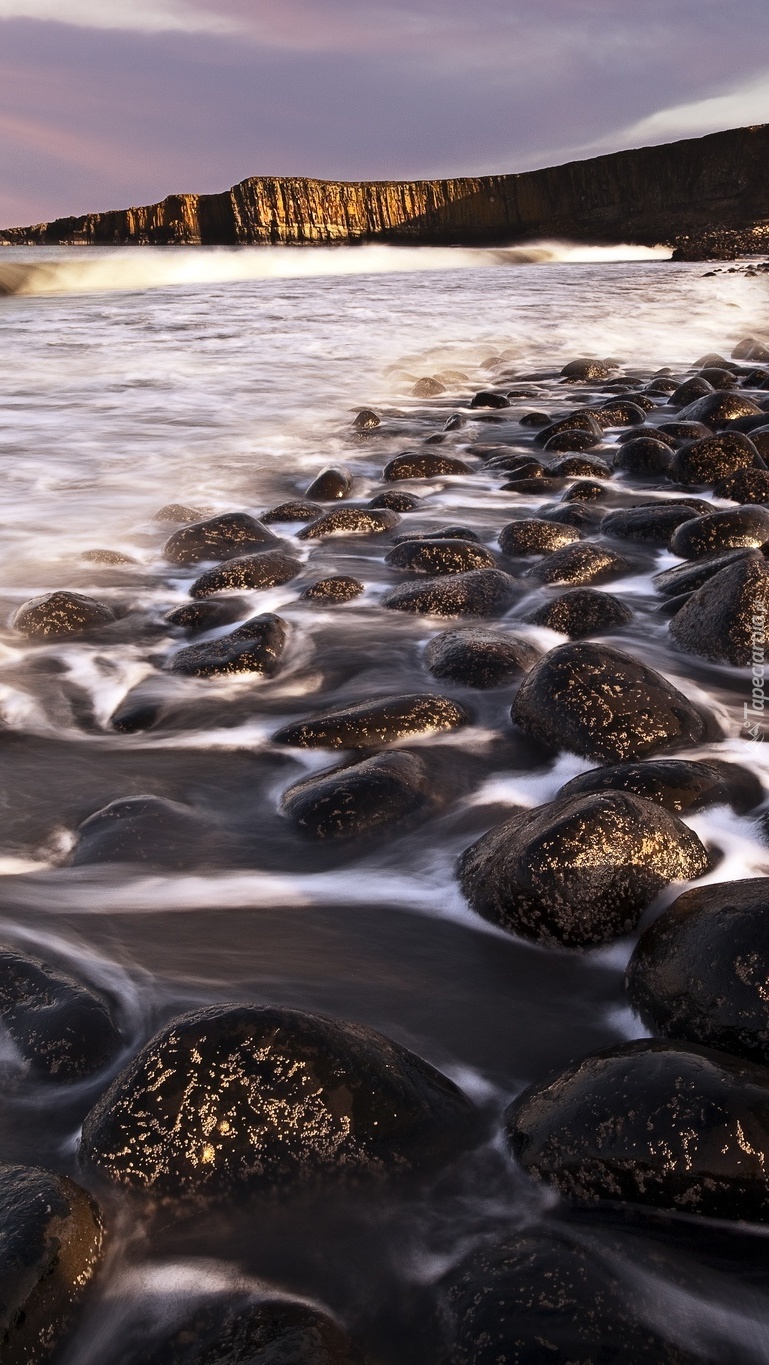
(225, 380)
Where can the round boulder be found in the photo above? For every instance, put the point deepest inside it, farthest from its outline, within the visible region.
(62, 1029)
(59, 614)
(574, 565)
(577, 370)
(207, 614)
(685, 578)
(651, 525)
(140, 829)
(744, 528)
(269, 569)
(482, 592)
(421, 465)
(373, 724)
(439, 556)
(224, 537)
(359, 800)
(726, 619)
(678, 784)
(475, 657)
(580, 467)
(644, 457)
(332, 591)
(571, 440)
(705, 462)
(255, 647)
(576, 421)
(351, 521)
(298, 510)
(333, 482)
(395, 501)
(583, 611)
(717, 409)
(532, 536)
(746, 486)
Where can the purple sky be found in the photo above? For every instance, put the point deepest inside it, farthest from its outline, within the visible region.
(106, 103)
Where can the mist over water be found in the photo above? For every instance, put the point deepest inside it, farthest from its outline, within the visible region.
(225, 381)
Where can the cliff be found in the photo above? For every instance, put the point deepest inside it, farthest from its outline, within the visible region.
(705, 196)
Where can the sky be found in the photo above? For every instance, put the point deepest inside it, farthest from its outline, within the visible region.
(109, 103)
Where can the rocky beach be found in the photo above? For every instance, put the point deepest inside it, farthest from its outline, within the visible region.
(383, 972)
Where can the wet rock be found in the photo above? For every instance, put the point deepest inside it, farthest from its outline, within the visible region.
(580, 870)
(249, 1331)
(137, 711)
(585, 490)
(654, 524)
(573, 439)
(140, 829)
(443, 533)
(582, 517)
(576, 421)
(439, 556)
(396, 502)
(690, 391)
(747, 486)
(717, 377)
(50, 1247)
(678, 784)
(331, 483)
(538, 486)
(601, 703)
(299, 510)
(176, 511)
(62, 1029)
(575, 565)
(255, 647)
(517, 469)
(199, 616)
(749, 348)
(269, 569)
(585, 369)
(644, 457)
(583, 611)
(621, 414)
(58, 614)
(538, 1296)
(744, 528)
(716, 409)
(107, 557)
(671, 1125)
(234, 1097)
(428, 388)
(706, 461)
(686, 578)
(423, 465)
(475, 657)
(683, 431)
(330, 591)
(579, 467)
(351, 521)
(225, 537)
(360, 800)
(534, 419)
(488, 398)
(726, 619)
(372, 724)
(366, 420)
(649, 433)
(481, 592)
(532, 536)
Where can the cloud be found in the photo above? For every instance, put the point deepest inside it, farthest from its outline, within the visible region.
(740, 107)
(144, 15)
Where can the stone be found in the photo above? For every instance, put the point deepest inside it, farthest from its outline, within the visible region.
(575, 565)
(443, 533)
(333, 482)
(176, 511)
(584, 490)
(573, 439)
(743, 528)
(716, 409)
(689, 391)
(395, 502)
(699, 972)
(585, 369)
(534, 419)
(686, 578)
(224, 537)
(268, 569)
(649, 433)
(50, 1248)
(351, 521)
(62, 1029)
(726, 619)
(423, 465)
(474, 657)
(481, 592)
(706, 461)
(240, 1097)
(59, 614)
(580, 467)
(358, 801)
(580, 870)
(718, 378)
(516, 469)
(298, 510)
(651, 525)
(372, 724)
(644, 457)
(488, 398)
(751, 349)
(662, 386)
(679, 784)
(140, 829)
(583, 611)
(538, 487)
(107, 557)
(601, 703)
(576, 421)
(332, 591)
(255, 647)
(532, 536)
(578, 515)
(683, 431)
(670, 1125)
(747, 486)
(366, 420)
(428, 388)
(621, 414)
(208, 614)
(439, 556)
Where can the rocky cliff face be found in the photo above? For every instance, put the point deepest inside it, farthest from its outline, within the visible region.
(705, 197)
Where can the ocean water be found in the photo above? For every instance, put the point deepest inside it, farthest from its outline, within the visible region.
(225, 380)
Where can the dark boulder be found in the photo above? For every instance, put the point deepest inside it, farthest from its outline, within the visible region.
(351, 521)
(685, 578)
(717, 377)
(534, 419)
(645, 457)
(715, 410)
(421, 465)
(699, 972)
(706, 461)
(576, 421)
(59, 614)
(571, 440)
(650, 433)
(107, 557)
(601, 703)
(49, 1250)
(566, 513)
(179, 513)
(439, 556)
(584, 490)
(689, 391)
(726, 619)
(395, 501)
(443, 533)
(428, 388)
(670, 1125)
(488, 398)
(298, 510)
(140, 829)
(678, 784)
(744, 528)
(585, 369)
(225, 537)
(331, 591)
(751, 349)
(238, 1097)
(583, 611)
(575, 565)
(268, 569)
(580, 467)
(621, 413)
(535, 487)
(517, 470)
(366, 420)
(475, 657)
(331, 483)
(747, 486)
(200, 616)
(683, 431)
(372, 724)
(62, 1029)
(651, 525)
(255, 647)
(360, 800)
(580, 870)
(482, 592)
(532, 536)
